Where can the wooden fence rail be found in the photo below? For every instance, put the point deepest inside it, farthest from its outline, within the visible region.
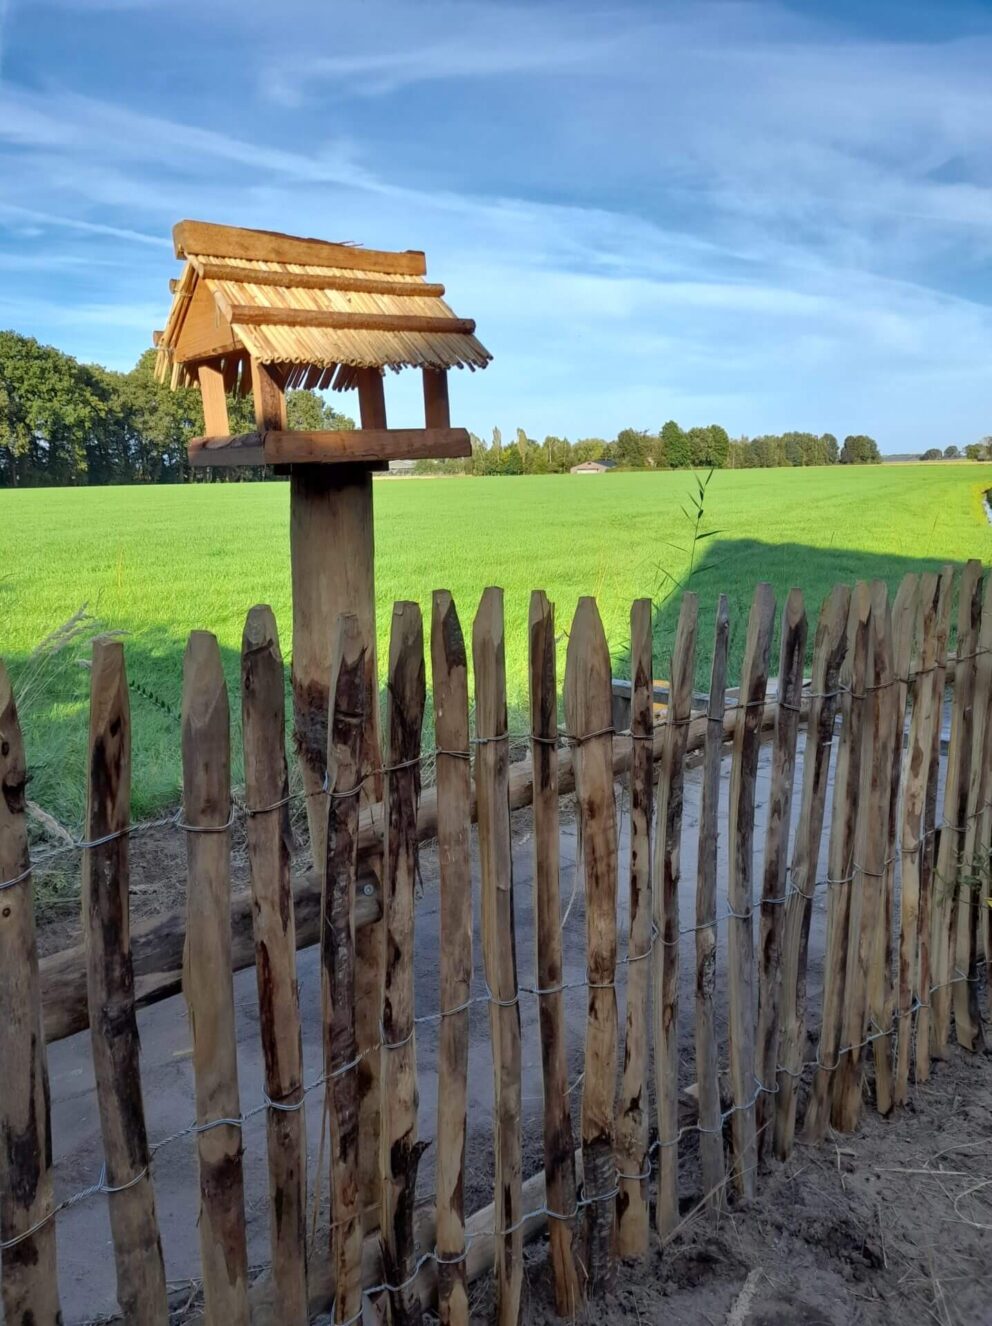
(905, 883)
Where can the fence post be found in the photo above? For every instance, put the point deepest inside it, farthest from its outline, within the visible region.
(840, 861)
(141, 1290)
(559, 1138)
(208, 983)
(30, 1274)
(400, 1155)
(943, 942)
(589, 717)
(269, 852)
(707, 1067)
(668, 858)
(792, 655)
(926, 713)
(931, 832)
(974, 873)
(829, 649)
(633, 1116)
(499, 944)
(454, 791)
(740, 885)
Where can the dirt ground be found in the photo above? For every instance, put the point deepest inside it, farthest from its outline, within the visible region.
(890, 1224)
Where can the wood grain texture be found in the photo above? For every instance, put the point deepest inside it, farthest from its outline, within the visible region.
(141, 1290)
(270, 842)
(499, 944)
(263, 315)
(207, 239)
(792, 654)
(840, 862)
(211, 381)
(634, 1115)
(707, 1062)
(667, 873)
(559, 1139)
(361, 285)
(400, 1149)
(268, 397)
(30, 1279)
(449, 673)
(829, 649)
(588, 716)
(740, 886)
(208, 984)
(437, 411)
(367, 446)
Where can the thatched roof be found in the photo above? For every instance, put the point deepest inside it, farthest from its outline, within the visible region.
(320, 310)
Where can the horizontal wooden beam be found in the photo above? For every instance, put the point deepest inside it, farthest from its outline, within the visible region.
(206, 239)
(351, 446)
(265, 315)
(361, 285)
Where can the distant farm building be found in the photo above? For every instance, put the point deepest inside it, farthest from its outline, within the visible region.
(594, 467)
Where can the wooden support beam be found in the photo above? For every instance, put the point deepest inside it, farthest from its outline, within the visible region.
(371, 399)
(206, 238)
(268, 395)
(215, 421)
(359, 285)
(437, 413)
(263, 315)
(365, 446)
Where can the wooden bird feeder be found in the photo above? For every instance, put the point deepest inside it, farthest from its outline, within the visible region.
(261, 313)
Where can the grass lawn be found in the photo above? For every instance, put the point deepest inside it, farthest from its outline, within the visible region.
(159, 562)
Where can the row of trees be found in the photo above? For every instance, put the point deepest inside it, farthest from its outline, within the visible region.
(974, 451)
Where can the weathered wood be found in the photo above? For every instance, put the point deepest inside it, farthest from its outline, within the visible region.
(930, 831)
(206, 239)
(208, 985)
(372, 399)
(926, 714)
(211, 380)
(707, 1064)
(740, 886)
(359, 285)
(840, 862)
(588, 715)
(559, 1143)
(667, 874)
(792, 654)
(270, 842)
(347, 718)
(141, 1290)
(499, 944)
(268, 397)
(437, 412)
(864, 994)
(973, 877)
(30, 1279)
(449, 673)
(943, 933)
(633, 1114)
(272, 315)
(334, 447)
(205, 333)
(400, 1153)
(829, 649)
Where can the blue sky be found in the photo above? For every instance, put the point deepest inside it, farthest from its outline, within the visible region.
(765, 215)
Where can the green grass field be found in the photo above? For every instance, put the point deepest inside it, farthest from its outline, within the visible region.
(159, 562)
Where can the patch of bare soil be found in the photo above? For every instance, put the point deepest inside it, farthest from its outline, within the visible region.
(890, 1225)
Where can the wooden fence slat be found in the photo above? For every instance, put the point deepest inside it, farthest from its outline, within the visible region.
(499, 944)
(588, 715)
(401, 1150)
(559, 1138)
(840, 861)
(973, 878)
(931, 833)
(792, 655)
(30, 1278)
(943, 940)
(863, 984)
(829, 649)
(141, 1290)
(270, 841)
(707, 1063)
(668, 857)
(740, 885)
(454, 792)
(926, 713)
(208, 983)
(633, 1116)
